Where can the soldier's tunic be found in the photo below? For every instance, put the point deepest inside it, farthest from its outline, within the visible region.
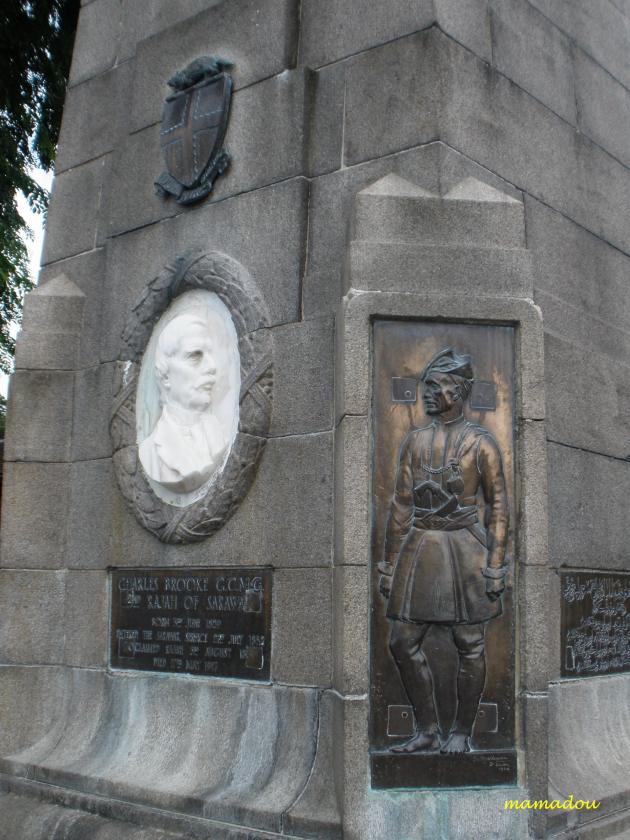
(449, 474)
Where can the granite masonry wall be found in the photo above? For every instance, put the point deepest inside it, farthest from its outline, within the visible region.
(532, 98)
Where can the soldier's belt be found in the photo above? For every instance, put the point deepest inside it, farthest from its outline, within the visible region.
(428, 520)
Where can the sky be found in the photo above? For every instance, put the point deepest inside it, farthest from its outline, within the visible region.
(34, 246)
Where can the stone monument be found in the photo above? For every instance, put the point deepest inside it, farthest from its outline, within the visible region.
(316, 460)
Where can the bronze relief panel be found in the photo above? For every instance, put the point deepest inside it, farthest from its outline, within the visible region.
(442, 622)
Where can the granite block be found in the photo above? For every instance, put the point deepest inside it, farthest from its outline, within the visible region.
(538, 599)
(35, 500)
(468, 23)
(534, 54)
(90, 515)
(574, 417)
(73, 216)
(95, 117)
(96, 41)
(260, 41)
(302, 610)
(578, 267)
(533, 546)
(587, 527)
(93, 394)
(325, 133)
(87, 271)
(535, 721)
(303, 377)
(352, 508)
(265, 230)
(350, 629)
(589, 753)
(86, 619)
(32, 606)
(603, 106)
(332, 29)
(383, 118)
(39, 416)
(599, 28)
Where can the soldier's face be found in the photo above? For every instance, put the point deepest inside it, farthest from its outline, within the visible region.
(440, 393)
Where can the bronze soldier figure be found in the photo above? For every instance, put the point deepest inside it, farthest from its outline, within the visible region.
(441, 565)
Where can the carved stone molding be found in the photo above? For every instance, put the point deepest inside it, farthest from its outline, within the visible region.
(218, 273)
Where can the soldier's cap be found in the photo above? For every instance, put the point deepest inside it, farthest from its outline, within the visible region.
(448, 361)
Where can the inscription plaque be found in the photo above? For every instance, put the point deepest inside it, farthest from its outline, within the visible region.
(207, 622)
(595, 615)
(442, 640)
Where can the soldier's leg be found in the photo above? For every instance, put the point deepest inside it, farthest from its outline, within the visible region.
(405, 644)
(471, 678)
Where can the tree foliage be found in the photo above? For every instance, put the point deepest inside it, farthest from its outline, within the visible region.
(36, 40)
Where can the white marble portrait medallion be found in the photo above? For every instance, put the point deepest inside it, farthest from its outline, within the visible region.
(187, 402)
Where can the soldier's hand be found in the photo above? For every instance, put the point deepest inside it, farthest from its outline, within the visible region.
(385, 585)
(494, 588)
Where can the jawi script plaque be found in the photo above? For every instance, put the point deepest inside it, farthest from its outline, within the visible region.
(206, 622)
(443, 514)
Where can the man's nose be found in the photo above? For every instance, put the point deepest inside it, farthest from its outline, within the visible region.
(209, 364)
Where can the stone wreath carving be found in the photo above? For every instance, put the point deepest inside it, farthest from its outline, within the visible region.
(217, 273)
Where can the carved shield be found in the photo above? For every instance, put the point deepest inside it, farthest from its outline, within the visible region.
(193, 126)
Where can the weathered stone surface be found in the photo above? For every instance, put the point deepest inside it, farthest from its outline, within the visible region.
(394, 210)
(94, 117)
(534, 54)
(425, 268)
(260, 44)
(143, 21)
(265, 138)
(87, 271)
(539, 610)
(588, 737)
(39, 417)
(51, 326)
(325, 130)
(90, 515)
(93, 393)
(598, 27)
(352, 527)
(303, 383)
(96, 41)
(573, 416)
(578, 268)
(603, 106)
(35, 500)
(86, 618)
(265, 230)
(25, 818)
(302, 609)
(380, 120)
(535, 734)
(73, 217)
(468, 23)
(316, 810)
(532, 472)
(332, 29)
(44, 687)
(289, 501)
(502, 127)
(351, 633)
(133, 742)
(587, 526)
(31, 616)
(433, 167)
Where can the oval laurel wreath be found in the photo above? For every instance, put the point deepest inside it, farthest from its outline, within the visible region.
(225, 277)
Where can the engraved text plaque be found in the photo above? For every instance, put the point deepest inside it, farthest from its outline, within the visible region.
(206, 622)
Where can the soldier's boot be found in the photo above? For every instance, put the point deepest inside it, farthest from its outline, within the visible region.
(471, 678)
(418, 682)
